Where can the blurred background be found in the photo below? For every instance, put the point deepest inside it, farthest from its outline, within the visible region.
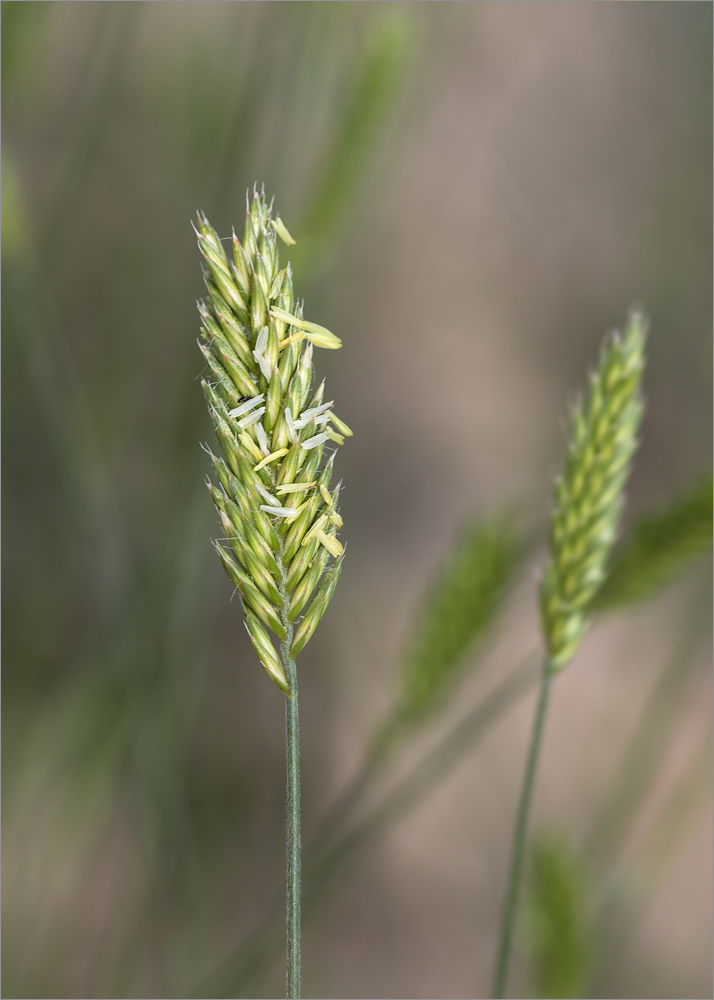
(479, 191)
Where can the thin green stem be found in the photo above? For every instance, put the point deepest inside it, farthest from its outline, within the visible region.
(519, 839)
(292, 753)
(293, 880)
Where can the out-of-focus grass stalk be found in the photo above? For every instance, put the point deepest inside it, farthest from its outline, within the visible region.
(624, 906)
(360, 128)
(252, 92)
(116, 579)
(98, 86)
(648, 746)
(558, 919)
(519, 836)
(588, 499)
(629, 889)
(353, 792)
(673, 822)
(424, 775)
(36, 333)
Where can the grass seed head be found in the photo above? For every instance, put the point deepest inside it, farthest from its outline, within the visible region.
(278, 515)
(590, 490)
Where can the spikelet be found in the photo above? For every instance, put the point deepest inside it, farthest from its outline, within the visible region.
(279, 517)
(589, 493)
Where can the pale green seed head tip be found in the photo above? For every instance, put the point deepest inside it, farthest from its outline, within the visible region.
(590, 491)
(277, 513)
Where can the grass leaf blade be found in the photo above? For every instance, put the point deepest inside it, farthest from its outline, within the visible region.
(457, 612)
(558, 921)
(362, 126)
(659, 547)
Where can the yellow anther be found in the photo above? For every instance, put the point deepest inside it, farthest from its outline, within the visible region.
(332, 545)
(270, 458)
(294, 488)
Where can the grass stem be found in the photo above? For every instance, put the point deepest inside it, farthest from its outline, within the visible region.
(519, 839)
(292, 731)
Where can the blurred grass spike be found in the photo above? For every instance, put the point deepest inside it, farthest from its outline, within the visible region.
(558, 921)
(457, 611)
(588, 498)
(589, 493)
(659, 547)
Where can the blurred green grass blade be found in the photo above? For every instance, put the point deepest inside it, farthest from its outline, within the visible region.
(645, 756)
(681, 809)
(251, 92)
(94, 102)
(24, 29)
(457, 612)
(557, 921)
(15, 220)
(360, 128)
(659, 547)
(629, 897)
(36, 337)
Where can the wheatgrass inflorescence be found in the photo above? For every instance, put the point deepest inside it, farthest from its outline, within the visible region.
(278, 515)
(590, 491)
(588, 498)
